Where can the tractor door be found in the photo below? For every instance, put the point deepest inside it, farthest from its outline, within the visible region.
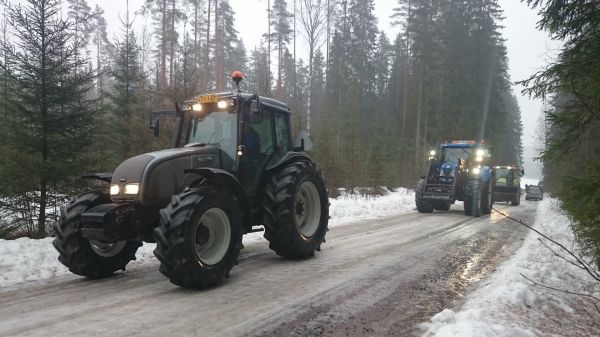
(258, 139)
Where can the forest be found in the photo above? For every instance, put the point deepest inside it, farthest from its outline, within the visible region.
(74, 100)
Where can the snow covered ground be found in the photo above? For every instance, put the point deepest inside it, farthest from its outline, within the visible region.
(24, 259)
(506, 304)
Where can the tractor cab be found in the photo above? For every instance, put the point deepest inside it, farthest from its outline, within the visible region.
(243, 134)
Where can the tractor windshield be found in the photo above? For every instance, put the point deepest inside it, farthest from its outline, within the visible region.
(452, 154)
(217, 129)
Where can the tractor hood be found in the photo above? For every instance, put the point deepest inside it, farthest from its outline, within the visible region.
(448, 168)
(160, 174)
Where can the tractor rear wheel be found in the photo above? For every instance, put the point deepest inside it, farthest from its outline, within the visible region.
(473, 199)
(423, 205)
(199, 237)
(87, 257)
(516, 202)
(296, 210)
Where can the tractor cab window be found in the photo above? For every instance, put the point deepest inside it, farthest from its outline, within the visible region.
(282, 130)
(257, 136)
(452, 154)
(502, 177)
(216, 129)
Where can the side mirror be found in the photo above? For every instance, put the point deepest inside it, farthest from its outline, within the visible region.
(155, 126)
(303, 142)
(255, 113)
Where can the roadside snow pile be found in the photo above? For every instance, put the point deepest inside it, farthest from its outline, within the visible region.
(358, 207)
(509, 305)
(24, 259)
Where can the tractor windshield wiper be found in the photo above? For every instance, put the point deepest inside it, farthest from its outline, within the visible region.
(195, 145)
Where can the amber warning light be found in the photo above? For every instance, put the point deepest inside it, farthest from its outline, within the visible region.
(237, 76)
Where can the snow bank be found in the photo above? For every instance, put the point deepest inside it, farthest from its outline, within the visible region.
(506, 304)
(352, 207)
(25, 259)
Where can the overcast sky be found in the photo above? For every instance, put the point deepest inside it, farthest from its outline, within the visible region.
(528, 49)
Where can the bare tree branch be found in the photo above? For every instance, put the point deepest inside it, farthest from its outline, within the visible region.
(564, 291)
(591, 271)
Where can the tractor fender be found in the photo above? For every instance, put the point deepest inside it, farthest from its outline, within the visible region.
(105, 177)
(222, 179)
(278, 162)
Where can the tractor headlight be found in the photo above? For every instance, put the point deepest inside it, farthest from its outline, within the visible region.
(476, 171)
(114, 189)
(222, 105)
(132, 189)
(197, 107)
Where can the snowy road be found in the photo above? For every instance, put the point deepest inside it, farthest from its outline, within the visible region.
(378, 278)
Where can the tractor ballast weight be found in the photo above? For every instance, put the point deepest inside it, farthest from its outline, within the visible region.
(231, 169)
(456, 172)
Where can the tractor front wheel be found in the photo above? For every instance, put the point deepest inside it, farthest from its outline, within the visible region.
(423, 205)
(87, 257)
(199, 237)
(296, 210)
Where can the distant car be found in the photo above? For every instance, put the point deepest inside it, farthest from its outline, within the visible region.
(534, 193)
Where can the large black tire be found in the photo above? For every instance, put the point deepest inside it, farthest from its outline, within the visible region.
(517, 202)
(487, 198)
(77, 253)
(296, 210)
(473, 199)
(423, 205)
(199, 218)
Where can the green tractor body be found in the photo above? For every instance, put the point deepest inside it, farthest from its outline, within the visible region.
(507, 184)
(232, 167)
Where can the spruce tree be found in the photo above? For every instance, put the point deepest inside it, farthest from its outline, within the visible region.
(50, 120)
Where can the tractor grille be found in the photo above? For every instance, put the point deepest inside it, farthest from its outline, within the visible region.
(104, 213)
(439, 190)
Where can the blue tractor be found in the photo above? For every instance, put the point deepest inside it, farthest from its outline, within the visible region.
(457, 171)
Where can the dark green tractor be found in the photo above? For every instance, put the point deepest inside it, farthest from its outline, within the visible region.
(507, 184)
(232, 167)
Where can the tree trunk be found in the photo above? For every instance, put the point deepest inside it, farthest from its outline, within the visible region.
(207, 52)
(41, 230)
(163, 47)
(218, 51)
(418, 127)
(172, 45)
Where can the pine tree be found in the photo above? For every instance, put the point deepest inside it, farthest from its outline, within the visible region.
(280, 23)
(571, 85)
(103, 49)
(126, 98)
